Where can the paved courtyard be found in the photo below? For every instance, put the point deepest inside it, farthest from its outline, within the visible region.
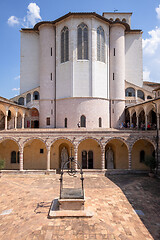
(25, 202)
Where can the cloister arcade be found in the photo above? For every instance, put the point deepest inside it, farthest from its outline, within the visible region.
(38, 154)
(13, 116)
(141, 115)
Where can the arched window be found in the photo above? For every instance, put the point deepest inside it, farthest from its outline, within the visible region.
(13, 157)
(130, 92)
(28, 98)
(83, 121)
(100, 44)
(36, 95)
(100, 122)
(124, 20)
(64, 45)
(21, 101)
(65, 122)
(142, 156)
(149, 97)
(82, 41)
(111, 19)
(117, 20)
(140, 94)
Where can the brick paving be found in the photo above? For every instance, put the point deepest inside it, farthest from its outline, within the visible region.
(27, 198)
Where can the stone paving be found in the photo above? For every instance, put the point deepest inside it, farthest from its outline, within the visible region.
(25, 201)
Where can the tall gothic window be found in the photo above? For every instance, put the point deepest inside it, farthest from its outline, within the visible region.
(64, 45)
(82, 41)
(100, 44)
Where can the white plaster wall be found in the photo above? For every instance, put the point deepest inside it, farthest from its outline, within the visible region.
(117, 62)
(47, 66)
(29, 65)
(64, 71)
(117, 66)
(73, 108)
(81, 78)
(117, 113)
(100, 70)
(133, 61)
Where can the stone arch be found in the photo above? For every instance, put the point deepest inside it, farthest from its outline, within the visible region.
(90, 145)
(33, 120)
(7, 147)
(35, 138)
(3, 109)
(139, 110)
(149, 108)
(36, 95)
(13, 110)
(130, 92)
(147, 139)
(140, 94)
(98, 141)
(21, 101)
(10, 138)
(56, 148)
(124, 20)
(117, 20)
(118, 138)
(141, 144)
(119, 152)
(35, 154)
(64, 138)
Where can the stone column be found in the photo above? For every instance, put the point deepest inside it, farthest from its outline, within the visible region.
(21, 159)
(129, 160)
(6, 121)
(137, 122)
(48, 158)
(15, 121)
(23, 121)
(146, 121)
(130, 120)
(103, 159)
(25, 102)
(76, 157)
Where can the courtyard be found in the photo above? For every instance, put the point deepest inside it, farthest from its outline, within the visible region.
(124, 207)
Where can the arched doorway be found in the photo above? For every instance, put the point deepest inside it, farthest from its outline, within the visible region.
(142, 119)
(152, 119)
(134, 119)
(35, 155)
(9, 152)
(116, 155)
(61, 150)
(140, 150)
(89, 154)
(33, 122)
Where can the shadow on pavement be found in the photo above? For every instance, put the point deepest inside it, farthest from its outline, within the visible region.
(143, 193)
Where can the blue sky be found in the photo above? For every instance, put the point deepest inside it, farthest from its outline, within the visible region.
(18, 13)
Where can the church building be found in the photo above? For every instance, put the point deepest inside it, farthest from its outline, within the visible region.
(81, 93)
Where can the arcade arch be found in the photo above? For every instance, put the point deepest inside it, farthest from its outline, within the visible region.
(148, 149)
(35, 155)
(60, 151)
(116, 154)
(8, 149)
(89, 154)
